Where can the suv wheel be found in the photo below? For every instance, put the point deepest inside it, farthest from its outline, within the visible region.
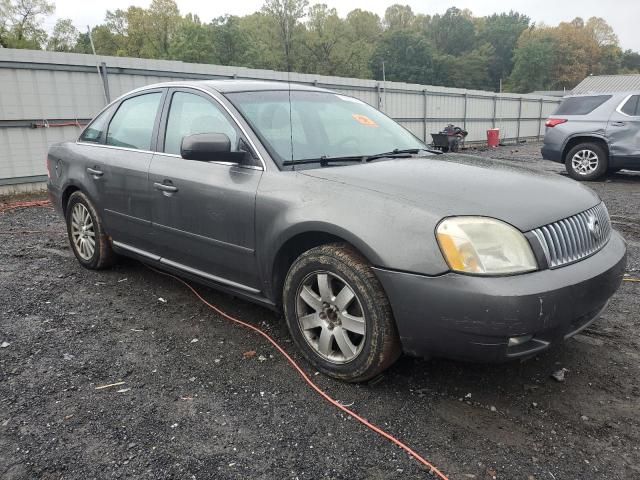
(586, 161)
(338, 314)
(86, 234)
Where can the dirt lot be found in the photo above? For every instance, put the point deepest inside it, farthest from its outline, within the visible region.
(193, 407)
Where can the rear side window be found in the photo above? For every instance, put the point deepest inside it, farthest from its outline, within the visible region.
(94, 132)
(631, 106)
(581, 105)
(132, 125)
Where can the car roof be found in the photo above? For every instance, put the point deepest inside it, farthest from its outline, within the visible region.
(595, 94)
(230, 86)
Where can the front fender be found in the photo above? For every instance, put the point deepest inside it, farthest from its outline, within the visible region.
(390, 233)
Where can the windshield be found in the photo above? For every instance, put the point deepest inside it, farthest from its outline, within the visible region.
(324, 125)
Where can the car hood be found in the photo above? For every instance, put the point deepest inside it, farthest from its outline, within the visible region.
(454, 184)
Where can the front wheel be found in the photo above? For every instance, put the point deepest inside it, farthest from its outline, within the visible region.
(586, 161)
(339, 315)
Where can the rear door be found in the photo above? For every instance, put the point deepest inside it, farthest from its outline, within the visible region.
(129, 141)
(203, 212)
(623, 129)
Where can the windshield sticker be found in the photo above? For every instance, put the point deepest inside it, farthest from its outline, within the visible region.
(364, 120)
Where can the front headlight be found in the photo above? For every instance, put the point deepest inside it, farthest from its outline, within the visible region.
(484, 246)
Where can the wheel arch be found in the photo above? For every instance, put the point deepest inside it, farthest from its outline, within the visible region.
(578, 139)
(301, 240)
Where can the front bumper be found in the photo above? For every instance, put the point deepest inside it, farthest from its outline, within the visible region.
(472, 318)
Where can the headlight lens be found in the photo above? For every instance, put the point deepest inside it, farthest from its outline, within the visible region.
(484, 246)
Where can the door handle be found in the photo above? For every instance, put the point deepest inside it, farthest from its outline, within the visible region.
(163, 187)
(95, 172)
(618, 124)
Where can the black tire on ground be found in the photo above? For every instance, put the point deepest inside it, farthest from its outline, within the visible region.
(588, 149)
(379, 347)
(103, 256)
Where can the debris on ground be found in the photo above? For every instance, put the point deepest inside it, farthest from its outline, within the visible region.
(117, 384)
(559, 375)
(249, 354)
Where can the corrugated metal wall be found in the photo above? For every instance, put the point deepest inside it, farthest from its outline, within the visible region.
(48, 88)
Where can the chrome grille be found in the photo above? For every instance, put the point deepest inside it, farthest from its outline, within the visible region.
(576, 237)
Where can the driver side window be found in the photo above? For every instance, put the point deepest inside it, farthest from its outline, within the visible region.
(190, 114)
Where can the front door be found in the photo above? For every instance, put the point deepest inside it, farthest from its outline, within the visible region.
(623, 130)
(203, 212)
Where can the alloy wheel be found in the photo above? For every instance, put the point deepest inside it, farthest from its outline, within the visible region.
(83, 233)
(331, 317)
(585, 162)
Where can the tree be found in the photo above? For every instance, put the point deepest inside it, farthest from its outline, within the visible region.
(601, 32)
(363, 31)
(407, 55)
(21, 23)
(454, 32)
(630, 61)
(287, 14)
(326, 43)
(398, 17)
(502, 31)
(64, 37)
(192, 41)
(533, 61)
(264, 42)
(230, 44)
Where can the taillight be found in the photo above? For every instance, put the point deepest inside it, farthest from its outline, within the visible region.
(552, 122)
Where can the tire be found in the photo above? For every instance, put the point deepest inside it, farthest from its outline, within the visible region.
(346, 327)
(90, 245)
(596, 159)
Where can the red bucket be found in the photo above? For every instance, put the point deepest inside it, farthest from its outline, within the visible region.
(493, 137)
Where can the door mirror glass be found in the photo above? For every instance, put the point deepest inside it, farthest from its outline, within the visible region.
(210, 147)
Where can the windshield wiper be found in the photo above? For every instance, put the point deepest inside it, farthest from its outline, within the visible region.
(398, 153)
(324, 160)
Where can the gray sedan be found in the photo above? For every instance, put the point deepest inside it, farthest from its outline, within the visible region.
(317, 204)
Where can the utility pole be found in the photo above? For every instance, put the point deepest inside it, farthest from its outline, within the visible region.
(93, 49)
(384, 87)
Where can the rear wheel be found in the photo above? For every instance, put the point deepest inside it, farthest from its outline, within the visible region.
(86, 233)
(586, 161)
(339, 315)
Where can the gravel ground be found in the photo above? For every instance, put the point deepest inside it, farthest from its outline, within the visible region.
(195, 405)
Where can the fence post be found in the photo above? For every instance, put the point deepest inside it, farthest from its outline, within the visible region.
(519, 118)
(495, 111)
(105, 81)
(424, 115)
(540, 118)
(464, 118)
(378, 95)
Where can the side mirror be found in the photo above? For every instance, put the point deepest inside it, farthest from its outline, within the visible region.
(210, 147)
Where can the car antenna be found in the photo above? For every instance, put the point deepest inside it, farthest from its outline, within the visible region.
(287, 49)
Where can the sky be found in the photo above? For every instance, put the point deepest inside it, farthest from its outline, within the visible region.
(622, 15)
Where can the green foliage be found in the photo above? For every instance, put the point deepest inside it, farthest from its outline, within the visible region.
(21, 23)
(64, 37)
(502, 31)
(407, 57)
(453, 49)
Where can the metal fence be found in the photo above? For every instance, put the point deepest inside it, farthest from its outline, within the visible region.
(45, 97)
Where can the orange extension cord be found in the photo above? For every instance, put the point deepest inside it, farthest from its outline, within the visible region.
(306, 378)
(8, 207)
